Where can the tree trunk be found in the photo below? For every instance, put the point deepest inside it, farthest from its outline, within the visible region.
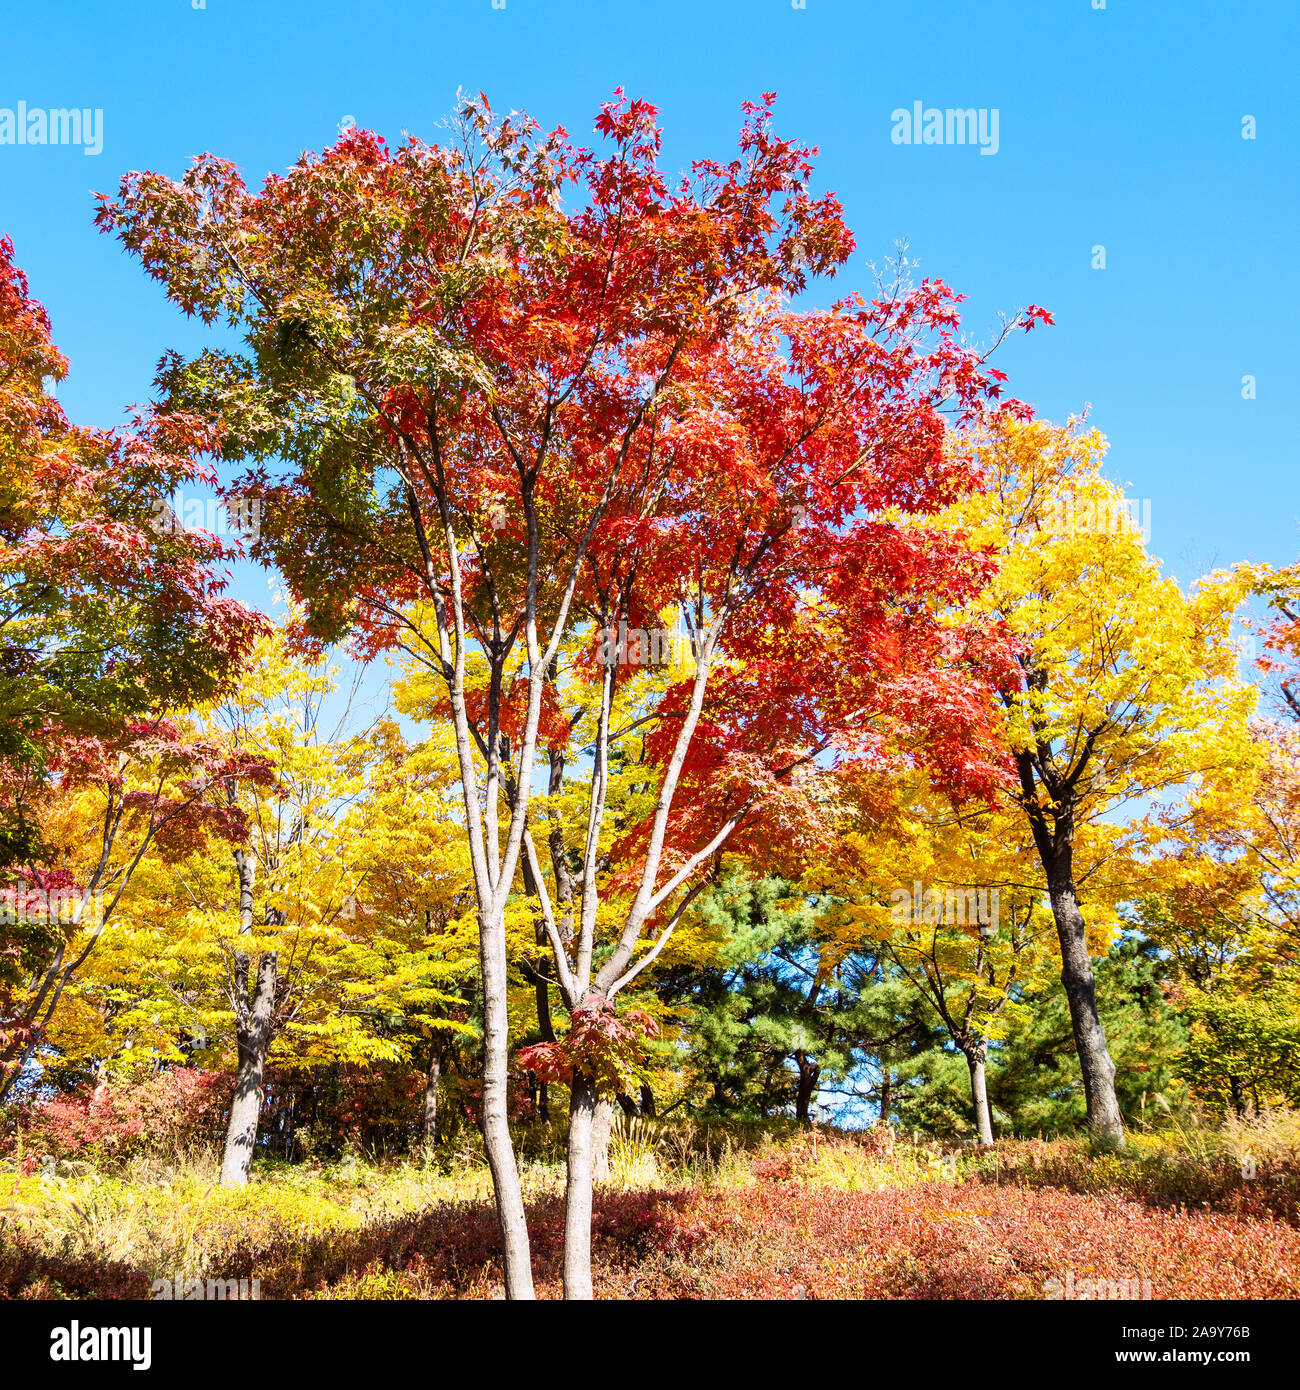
(577, 1192)
(1238, 1092)
(254, 1025)
(1105, 1122)
(975, 1059)
(496, 1113)
(1055, 845)
(647, 1100)
(602, 1132)
(542, 994)
(545, 1026)
(431, 1093)
(254, 1037)
(885, 1097)
(25, 1030)
(537, 1091)
(808, 1074)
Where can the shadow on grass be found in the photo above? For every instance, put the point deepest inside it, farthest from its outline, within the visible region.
(449, 1251)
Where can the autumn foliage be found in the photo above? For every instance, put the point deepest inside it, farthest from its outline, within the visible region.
(733, 625)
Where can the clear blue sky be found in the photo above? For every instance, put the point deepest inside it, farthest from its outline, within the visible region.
(1120, 127)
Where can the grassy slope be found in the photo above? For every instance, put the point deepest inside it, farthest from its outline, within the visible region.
(786, 1216)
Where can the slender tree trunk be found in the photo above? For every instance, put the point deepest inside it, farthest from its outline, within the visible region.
(542, 987)
(1105, 1122)
(577, 1193)
(537, 1090)
(545, 1027)
(1055, 845)
(496, 1113)
(885, 1097)
(808, 1074)
(602, 1132)
(431, 1083)
(254, 1025)
(291, 1140)
(976, 1056)
(254, 1037)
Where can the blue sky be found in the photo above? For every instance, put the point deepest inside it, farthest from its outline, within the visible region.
(1119, 127)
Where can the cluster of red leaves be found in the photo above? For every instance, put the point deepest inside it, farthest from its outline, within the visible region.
(372, 1108)
(38, 893)
(177, 773)
(171, 1110)
(622, 343)
(1281, 654)
(79, 509)
(600, 1043)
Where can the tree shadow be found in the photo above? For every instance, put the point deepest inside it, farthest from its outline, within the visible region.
(452, 1250)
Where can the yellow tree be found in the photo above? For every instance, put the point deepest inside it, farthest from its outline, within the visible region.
(1126, 687)
(159, 788)
(1222, 897)
(343, 892)
(298, 876)
(418, 902)
(287, 951)
(953, 894)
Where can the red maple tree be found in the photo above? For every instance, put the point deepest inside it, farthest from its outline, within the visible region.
(540, 391)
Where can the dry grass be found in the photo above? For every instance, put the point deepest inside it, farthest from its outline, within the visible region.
(688, 1210)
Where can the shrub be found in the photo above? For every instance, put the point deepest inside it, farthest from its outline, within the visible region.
(167, 1115)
